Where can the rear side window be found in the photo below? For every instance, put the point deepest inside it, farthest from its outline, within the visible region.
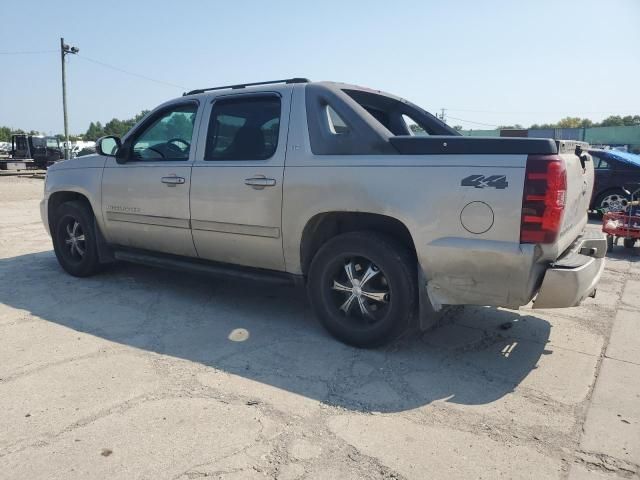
(336, 124)
(399, 117)
(21, 143)
(413, 127)
(243, 128)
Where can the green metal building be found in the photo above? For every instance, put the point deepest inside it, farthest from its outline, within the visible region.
(628, 137)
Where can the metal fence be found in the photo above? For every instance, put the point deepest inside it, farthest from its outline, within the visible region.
(596, 135)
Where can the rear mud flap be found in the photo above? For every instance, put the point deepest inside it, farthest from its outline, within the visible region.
(430, 313)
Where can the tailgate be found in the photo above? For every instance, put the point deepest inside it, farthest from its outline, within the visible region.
(580, 178)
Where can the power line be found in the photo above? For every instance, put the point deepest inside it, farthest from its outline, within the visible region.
(98, 62)
(471, 121)
(30, 52)
(539, 112)
(106, 65)
(486, 124)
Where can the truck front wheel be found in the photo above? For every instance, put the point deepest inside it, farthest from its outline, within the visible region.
(74, 239)
(362, 287)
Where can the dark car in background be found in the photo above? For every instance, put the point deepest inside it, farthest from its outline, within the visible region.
(42, 150)
(615, 172)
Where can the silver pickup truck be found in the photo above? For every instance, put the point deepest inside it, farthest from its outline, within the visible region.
(382, 211)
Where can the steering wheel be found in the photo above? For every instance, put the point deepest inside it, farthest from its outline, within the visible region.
(157, 151)
(171, 143)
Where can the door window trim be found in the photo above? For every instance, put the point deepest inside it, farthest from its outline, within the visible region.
(233, 96)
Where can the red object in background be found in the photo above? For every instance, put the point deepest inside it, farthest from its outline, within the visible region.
(625, 225)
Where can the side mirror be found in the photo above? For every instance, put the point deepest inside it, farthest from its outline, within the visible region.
(108, 146)
(123, 152)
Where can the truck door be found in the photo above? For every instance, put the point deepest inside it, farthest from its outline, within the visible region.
(145, 201)
(236, 189)
(20, 147)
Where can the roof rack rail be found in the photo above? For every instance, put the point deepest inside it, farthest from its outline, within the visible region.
(243, 85)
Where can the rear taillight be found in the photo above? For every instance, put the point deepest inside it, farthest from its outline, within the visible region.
(543, 200)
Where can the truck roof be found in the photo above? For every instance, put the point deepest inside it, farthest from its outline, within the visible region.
(246, 85)
(292, 81)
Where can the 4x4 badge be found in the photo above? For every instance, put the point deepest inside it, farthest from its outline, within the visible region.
(482, 181)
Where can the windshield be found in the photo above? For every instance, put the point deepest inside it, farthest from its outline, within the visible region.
(38, 141)
(52, 142)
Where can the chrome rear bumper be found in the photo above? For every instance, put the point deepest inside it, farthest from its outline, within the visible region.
(575, 275)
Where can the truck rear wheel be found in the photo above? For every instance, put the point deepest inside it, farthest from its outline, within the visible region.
(362, 287)
(74, 239)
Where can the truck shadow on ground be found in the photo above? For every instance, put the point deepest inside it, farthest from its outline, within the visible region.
(268, 334)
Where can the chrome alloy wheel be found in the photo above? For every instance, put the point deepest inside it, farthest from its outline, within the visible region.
(361, 283)
(74, 239)
(614, 203)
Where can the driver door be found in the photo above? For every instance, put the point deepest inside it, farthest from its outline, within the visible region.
(145, 201)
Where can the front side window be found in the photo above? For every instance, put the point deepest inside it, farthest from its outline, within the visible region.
(168, 137)
(243, 128)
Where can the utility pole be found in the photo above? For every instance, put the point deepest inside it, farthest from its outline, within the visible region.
(442, 117)
(64, 51)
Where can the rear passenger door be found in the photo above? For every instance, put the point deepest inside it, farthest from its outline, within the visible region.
(236, 188)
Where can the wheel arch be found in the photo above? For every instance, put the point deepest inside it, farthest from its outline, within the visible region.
(323, 226)
(58, 198)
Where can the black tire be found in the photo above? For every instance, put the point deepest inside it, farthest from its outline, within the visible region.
(601, 203)
(81, 259)
(629, 242)
(365, 322)
(610, 243)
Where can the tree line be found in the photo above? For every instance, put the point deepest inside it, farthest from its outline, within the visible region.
(6, 132)
(96, 129)
(113, 127)
(577, 122)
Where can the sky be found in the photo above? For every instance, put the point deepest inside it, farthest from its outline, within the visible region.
(488, 62)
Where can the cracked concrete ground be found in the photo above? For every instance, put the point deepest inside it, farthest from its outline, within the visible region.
(143, 373)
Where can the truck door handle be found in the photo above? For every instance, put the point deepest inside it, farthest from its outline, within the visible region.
(172, 181)
(260, 181)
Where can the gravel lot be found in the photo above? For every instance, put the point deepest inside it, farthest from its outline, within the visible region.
(143, 373)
